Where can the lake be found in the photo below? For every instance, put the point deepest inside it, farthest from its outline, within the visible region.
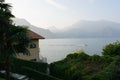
(57, 49)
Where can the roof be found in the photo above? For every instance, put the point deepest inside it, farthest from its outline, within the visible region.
(34, 35)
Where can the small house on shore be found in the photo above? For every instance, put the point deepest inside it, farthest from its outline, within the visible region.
(33, 47)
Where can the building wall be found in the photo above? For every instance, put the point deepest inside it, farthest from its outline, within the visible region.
(34, 51)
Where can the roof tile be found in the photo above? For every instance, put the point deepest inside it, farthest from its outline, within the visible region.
(34, 35)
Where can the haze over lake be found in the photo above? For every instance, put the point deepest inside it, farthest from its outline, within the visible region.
(57, 49)
(91, 36)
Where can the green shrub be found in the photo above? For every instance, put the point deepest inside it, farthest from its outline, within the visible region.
(2, 79)
(106, 59)
(65, 72)
(36, 75)
(110, 72)
(67, 69)
(77, 75)
(1, 66)
(83, 56)
(94, 77)
(95, 58)
(4, 76)
(18, 64)
(80, 66)
(112, 49)
(80, 56)
(72, 56)
(58, 69)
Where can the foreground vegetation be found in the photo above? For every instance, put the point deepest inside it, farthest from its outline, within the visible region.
(33, 70)
(2, 79)
(77, 66)
(13, 39)
(80, 66)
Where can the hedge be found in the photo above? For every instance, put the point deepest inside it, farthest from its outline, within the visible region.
(3, 76)
(36, 75)
(18, 64)
(2, 79)
(1, 65)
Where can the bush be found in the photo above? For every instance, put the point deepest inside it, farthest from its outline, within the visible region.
(3, 76)
(67, 69)
(112, 49)
(110, 72)
(66, 72)
(95, 58)
(18, 64)
(80, 56)
(1, 66)
(36, 75)
(58, 69)
(2, 79)
(80, 66)
(72, 56)
(77, 76)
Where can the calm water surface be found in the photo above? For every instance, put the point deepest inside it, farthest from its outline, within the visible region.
(57, 49)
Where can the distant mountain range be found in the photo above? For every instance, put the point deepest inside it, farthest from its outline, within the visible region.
(81, 29)
(85, 29)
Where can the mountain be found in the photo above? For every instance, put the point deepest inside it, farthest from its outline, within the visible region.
(53, 29)
(44, 32)
(83, 29)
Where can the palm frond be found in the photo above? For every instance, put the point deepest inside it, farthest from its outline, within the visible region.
(19, 39)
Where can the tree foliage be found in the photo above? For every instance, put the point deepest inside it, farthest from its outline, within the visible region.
(112, 49)
(85, 67)
(13, 39)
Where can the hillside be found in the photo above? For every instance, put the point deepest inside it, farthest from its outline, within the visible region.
(83, 29)
(44, 32)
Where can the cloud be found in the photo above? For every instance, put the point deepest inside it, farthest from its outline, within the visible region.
(60, 6)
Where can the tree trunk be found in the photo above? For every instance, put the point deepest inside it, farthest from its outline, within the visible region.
(7, 68)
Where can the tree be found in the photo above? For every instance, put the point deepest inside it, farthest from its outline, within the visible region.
(2, 0)
(13, 39)
(112, 49)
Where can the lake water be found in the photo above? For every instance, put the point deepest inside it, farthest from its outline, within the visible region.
(57, 49)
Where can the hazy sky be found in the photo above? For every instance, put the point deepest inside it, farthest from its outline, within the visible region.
(62, 13)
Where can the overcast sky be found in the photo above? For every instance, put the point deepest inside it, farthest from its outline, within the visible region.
(62, 13)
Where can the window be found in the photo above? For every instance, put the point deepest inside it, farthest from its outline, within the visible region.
(32, 45)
